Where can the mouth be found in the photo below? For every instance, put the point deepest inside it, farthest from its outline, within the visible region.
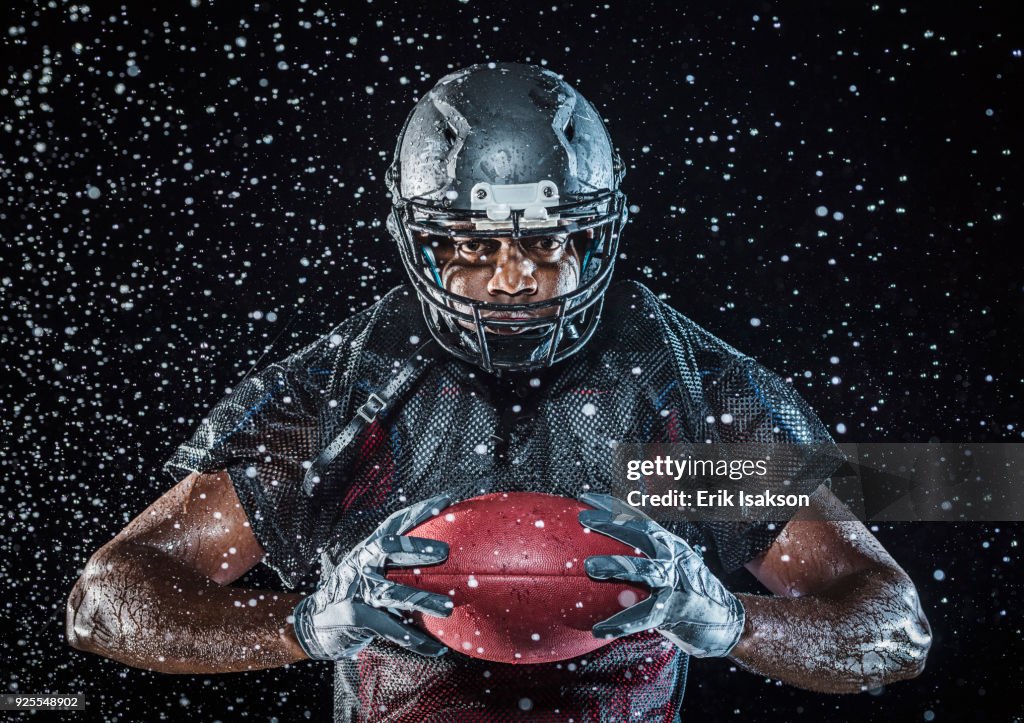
(506, 330)
(505, 316)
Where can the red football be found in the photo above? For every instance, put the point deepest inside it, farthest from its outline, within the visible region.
(515, 572)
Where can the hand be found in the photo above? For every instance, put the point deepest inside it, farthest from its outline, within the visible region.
(343, 615)
(688, 604)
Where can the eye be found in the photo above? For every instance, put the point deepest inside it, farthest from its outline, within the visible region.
(472, 247)
(546, 243)
(475, 248)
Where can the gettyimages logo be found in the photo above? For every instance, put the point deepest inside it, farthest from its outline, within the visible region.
(889, 482)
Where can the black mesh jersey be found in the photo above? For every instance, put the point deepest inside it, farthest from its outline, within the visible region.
(648, 375)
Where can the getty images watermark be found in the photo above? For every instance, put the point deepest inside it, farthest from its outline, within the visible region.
(677, 469)
(771, 482)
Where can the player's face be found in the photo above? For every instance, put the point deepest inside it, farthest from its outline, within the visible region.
(502, 270)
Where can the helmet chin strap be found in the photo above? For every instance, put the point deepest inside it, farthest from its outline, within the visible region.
(490, 346)
(431, 260)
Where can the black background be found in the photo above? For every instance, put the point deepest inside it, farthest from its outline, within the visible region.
(177, 181)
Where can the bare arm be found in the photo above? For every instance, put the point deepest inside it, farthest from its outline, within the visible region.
(157, 595)
(846, 616)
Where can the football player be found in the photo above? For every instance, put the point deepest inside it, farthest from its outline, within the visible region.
(509, 362)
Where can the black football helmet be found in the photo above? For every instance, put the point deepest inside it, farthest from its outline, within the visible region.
(507, 150)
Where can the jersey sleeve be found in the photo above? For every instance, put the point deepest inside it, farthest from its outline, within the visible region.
(752, 405)
(262, 432)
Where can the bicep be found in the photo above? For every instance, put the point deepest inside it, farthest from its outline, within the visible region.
(818, 548)
(200, 521)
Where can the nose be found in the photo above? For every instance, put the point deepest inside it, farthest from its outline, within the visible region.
(513, 273)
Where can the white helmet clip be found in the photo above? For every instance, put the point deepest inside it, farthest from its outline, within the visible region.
(499, 201)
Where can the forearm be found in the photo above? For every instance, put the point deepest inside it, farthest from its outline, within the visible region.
(866, 630)
(144, 608)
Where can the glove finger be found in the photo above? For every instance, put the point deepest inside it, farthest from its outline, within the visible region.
(398, 633)
(653, 573)
(407, 518)
(611, 504)
(385, 593)
(634, 619)
(405, 550)
(629, 531)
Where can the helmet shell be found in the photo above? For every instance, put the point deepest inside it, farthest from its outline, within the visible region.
(502, 123)
(515, 130)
